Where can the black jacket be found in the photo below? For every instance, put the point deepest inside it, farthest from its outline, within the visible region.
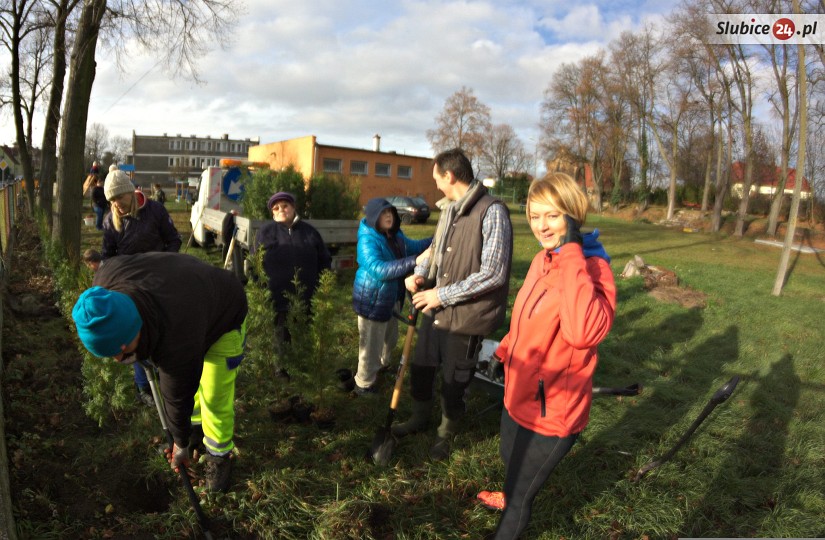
(151, 230)
(286, 250)
(186, 305)
(99, 198)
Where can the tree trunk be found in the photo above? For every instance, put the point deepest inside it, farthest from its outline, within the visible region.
(742, 213)
(671, 188)
(722, 181)
(23, 144)
(644, 191)
(48, 160)
(802, 88)
(709, 164)
(66, 231)
(779, 196)
(595, 166)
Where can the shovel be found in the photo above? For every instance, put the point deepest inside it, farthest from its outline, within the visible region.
(720, 396)
(187, 482)
(383, 442)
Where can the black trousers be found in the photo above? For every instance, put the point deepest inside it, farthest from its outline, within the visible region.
(455, 354)
(529, 458)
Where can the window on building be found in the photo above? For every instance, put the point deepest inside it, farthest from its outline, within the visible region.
(358, 167)
(383, 169)
(333, 165)
(404, 171)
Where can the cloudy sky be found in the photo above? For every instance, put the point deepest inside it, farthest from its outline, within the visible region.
(344, 70)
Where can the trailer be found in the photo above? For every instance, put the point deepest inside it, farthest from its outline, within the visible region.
(216, 218)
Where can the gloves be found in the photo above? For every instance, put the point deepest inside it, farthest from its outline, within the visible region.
(495, 369)
(573, 233)
(177, 456)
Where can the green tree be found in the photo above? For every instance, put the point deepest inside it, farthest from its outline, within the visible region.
(333, 197)
(264, 183)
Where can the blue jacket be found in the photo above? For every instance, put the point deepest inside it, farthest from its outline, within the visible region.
(383, 263)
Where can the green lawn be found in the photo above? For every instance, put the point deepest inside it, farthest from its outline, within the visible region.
(756, 467)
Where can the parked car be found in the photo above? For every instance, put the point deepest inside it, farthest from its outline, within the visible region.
(410, 209)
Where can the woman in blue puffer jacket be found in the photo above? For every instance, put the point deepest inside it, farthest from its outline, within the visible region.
(385, 257)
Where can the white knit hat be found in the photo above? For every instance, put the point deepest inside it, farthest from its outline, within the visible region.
(117, 183)
(113, 167)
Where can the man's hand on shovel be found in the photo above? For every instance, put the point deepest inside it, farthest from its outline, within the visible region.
(426, 300)
(177, 457)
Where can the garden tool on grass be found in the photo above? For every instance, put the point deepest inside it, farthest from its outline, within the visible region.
(187, 482)
(383, 442)
(631, 390)
(720, 396)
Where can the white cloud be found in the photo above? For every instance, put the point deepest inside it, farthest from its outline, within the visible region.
(345, 70)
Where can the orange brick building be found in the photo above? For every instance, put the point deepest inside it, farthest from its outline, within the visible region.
(382, 174)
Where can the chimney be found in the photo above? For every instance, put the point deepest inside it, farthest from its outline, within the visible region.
(376, 143)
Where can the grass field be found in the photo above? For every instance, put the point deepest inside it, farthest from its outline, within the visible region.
(756, 467)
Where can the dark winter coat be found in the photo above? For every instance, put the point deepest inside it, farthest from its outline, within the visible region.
(287, 249)
(383, 263)
(99, 198)
(186, 306)
(151, 230)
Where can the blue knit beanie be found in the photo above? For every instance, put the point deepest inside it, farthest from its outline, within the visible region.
(105, 321)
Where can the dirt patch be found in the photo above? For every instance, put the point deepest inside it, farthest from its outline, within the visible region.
(54, 448)
(663, 284)
(683, 296)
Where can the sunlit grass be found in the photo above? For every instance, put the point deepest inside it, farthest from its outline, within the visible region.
(754, 469)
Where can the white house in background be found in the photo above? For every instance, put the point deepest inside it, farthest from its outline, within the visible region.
(765, 181)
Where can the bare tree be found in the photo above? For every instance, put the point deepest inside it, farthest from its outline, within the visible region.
(503, 152)
(671, 100)
(70, 166)
(179, 31)
(97, 143)
(58, 15)
(616, 105)
(18, 20)
(120, 147)
(573, 117)
(463, 123)
(632, 58)
(782, 60)
(782, 271)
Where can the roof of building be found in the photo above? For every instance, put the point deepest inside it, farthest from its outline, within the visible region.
(768, 176)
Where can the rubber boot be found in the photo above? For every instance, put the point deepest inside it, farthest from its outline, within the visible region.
(218, 469)
(419, 421)
(444, 436)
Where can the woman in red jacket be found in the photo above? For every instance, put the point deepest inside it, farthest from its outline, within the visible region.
(564, 309)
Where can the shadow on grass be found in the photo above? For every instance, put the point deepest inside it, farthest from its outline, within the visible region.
(806, 239)
(746, 489)
(608, 457)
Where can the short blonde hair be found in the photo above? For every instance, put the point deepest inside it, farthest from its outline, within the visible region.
(560, 190)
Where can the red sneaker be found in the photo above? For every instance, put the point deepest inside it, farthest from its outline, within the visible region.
(494, 500)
